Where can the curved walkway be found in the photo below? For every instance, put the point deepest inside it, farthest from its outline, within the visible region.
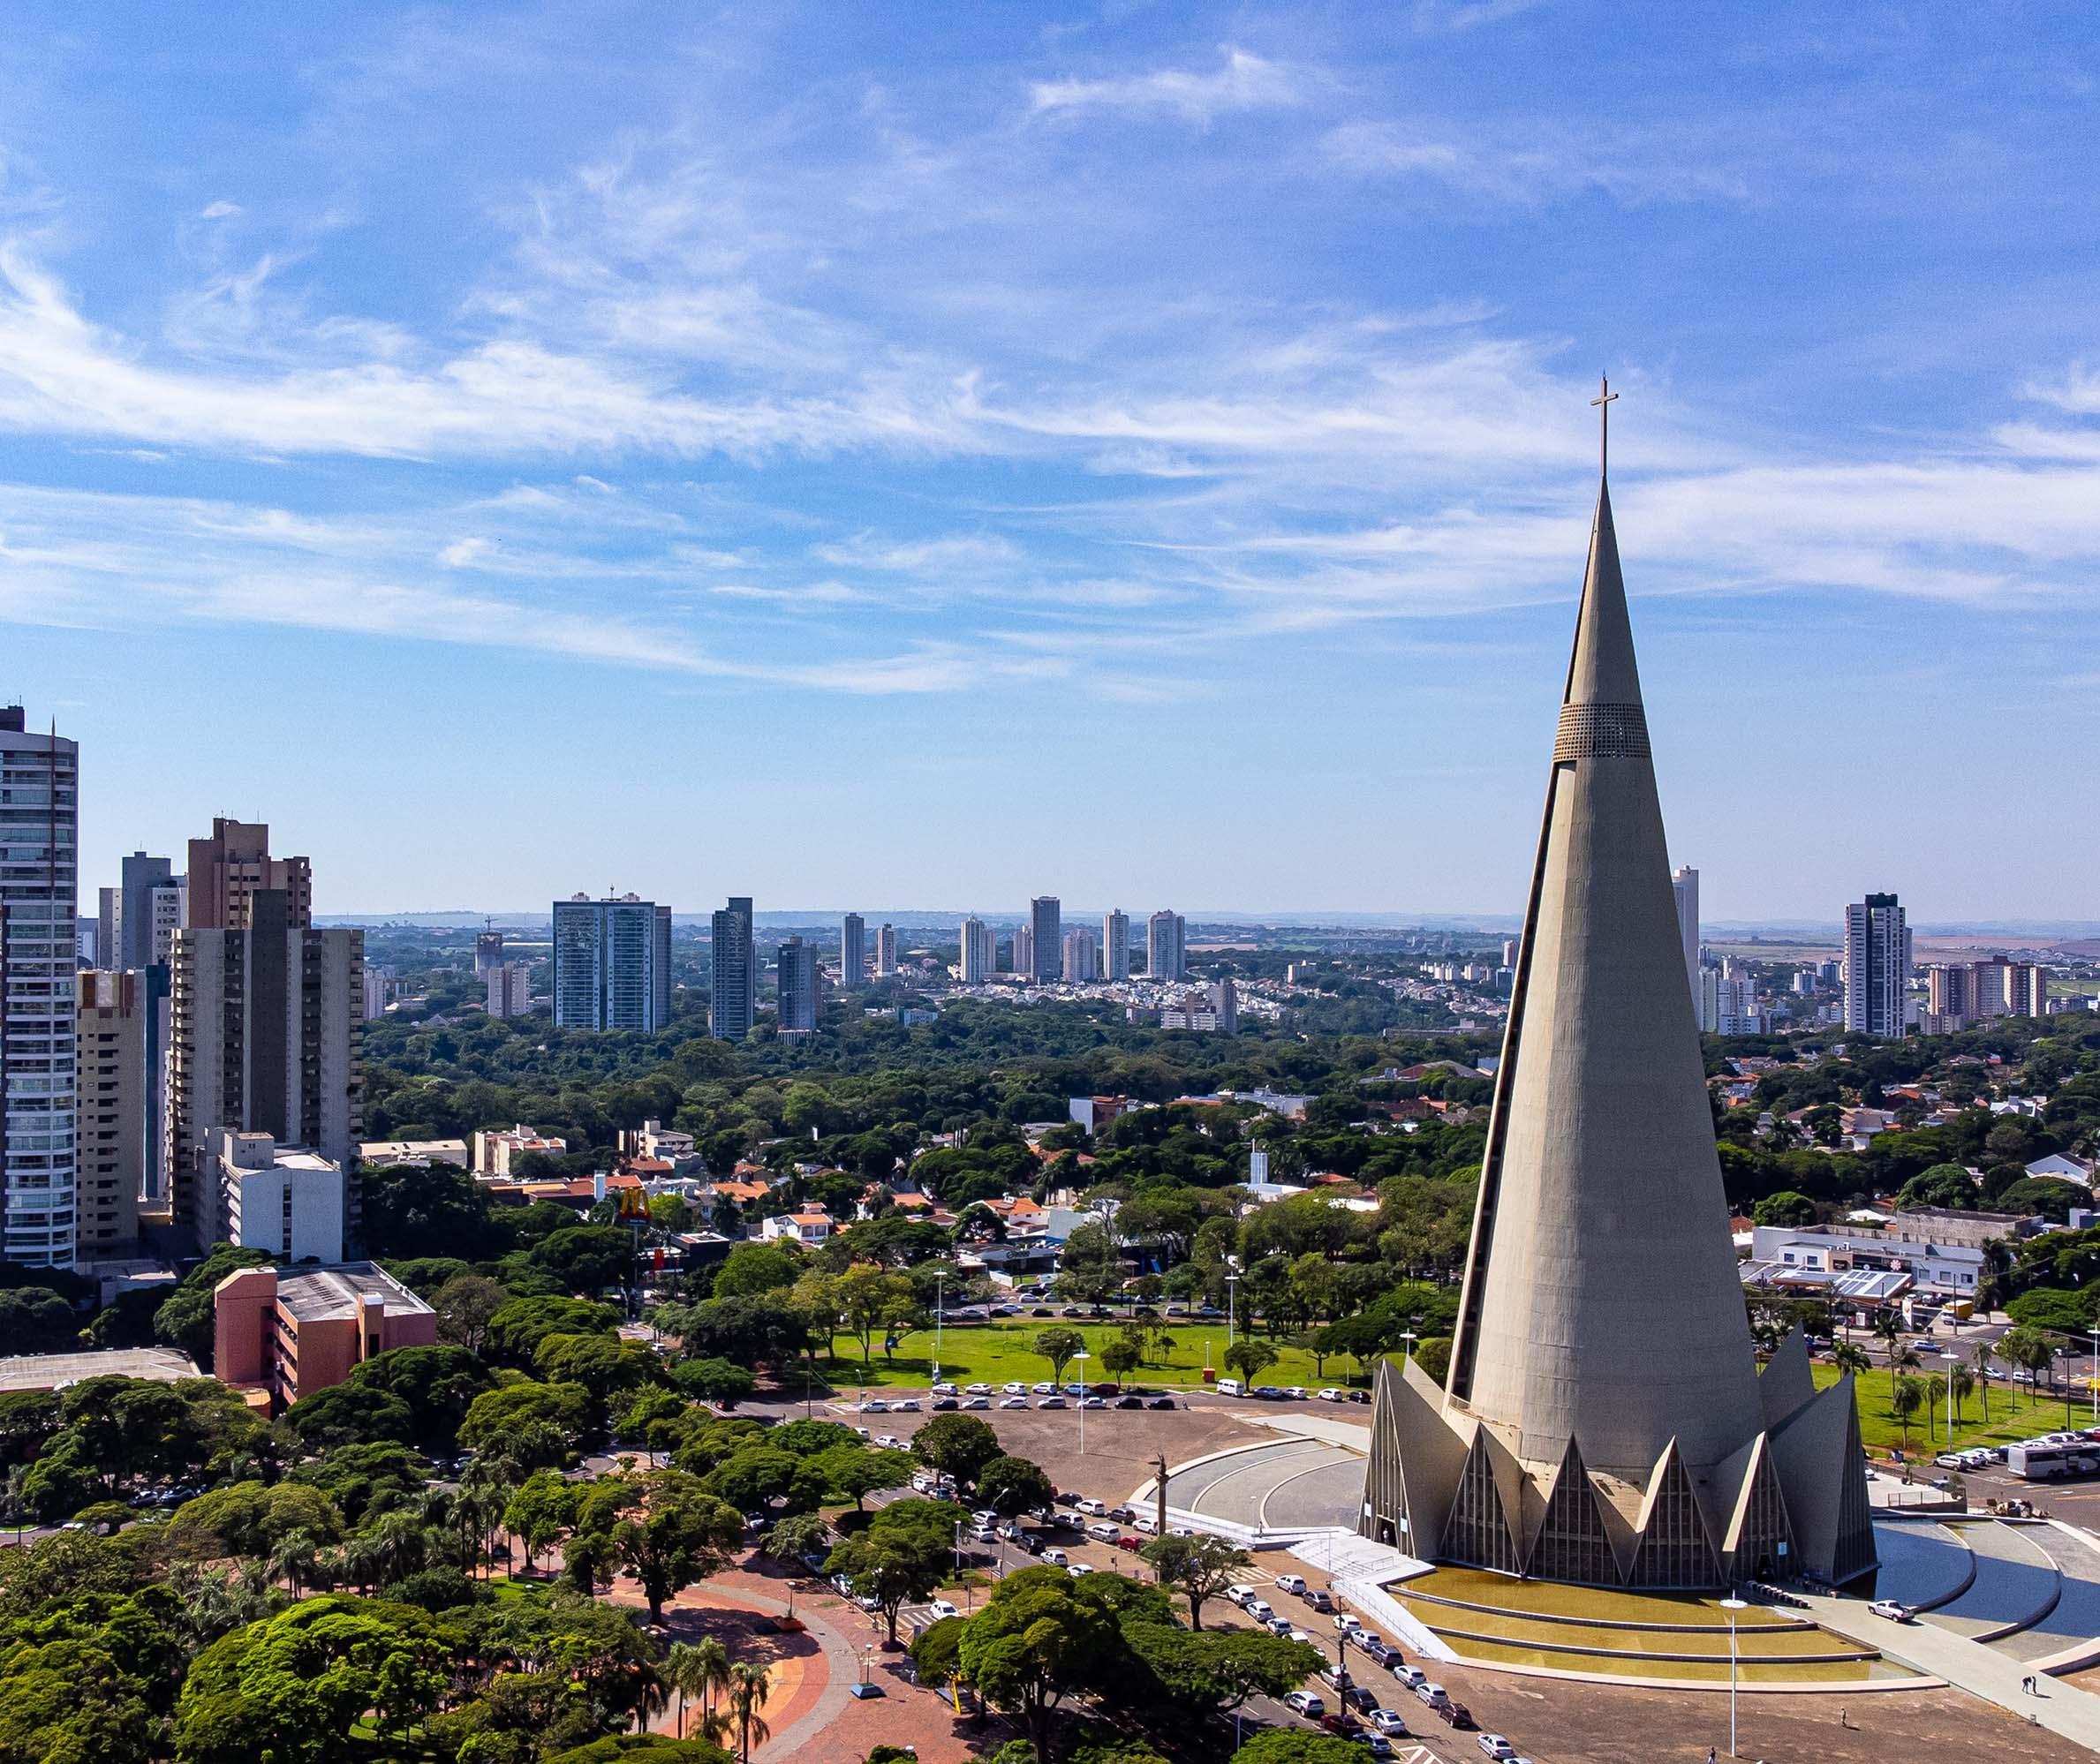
(2016, 1585)
(1293, 1482)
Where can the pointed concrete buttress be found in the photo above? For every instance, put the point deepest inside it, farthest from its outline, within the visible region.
(1601, 1302)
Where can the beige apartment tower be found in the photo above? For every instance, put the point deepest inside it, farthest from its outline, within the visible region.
(110, 1168)
(1605, 1420)
(234, 865)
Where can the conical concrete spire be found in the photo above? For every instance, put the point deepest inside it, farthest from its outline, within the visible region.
(1601, 1302)
(1602, 671)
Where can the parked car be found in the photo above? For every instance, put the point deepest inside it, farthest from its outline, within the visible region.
(1336, 1676)
(1079, 1570)
(1129, 1539)
(1329, 1394)
(1044, 1390)
(1319, 1598)
(889, 1440)
(1375, 1648)
(1413, 1677)
(1495, 1747)
(1160, 1403)
(1131, 1403)
(977, 1389)
(1269, 1393)
(944, 1404)
(1455, 1715)
(1050, 1402)
(1103, 1531)
(1291, 1583)
(1373, 1742)
(1892, 1610)
(942, 1608)
(1360, 1699)
(945, 1388)
(1240, 1595)
(1056, 1559)
(1015, 1389)
(1013, 1402)
(1146, 1522)
(1090, 1507)
(872, 1405)
(1306, 1704)
(1386, 1720)
(977, 1402)
(907, 1406)
(1433, 1694)
(1093, 1402)
(1341, 1724)
(1297, 1394)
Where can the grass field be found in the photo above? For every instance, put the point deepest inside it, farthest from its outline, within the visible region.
(999, 1353)
(2035, 1412)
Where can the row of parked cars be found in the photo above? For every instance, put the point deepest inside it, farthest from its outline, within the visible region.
(1289, 1393)
(1360, 1716)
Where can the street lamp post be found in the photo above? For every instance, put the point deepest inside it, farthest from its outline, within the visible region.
(1953, 1360)
(1407, 1338)
(1732, 1606)
(939, 1313)
(2092, 1378)
(1231, 1282)
(1080, 1359)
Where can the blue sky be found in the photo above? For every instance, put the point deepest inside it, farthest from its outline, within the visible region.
(861, 457)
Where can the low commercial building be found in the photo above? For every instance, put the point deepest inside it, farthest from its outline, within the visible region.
(388, 1154)
(1949, 1270)
(282, 1335)
(494, 1150)
(55, 1371)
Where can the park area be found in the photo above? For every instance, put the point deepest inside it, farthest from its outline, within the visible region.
(996, 1354)
(2016, 1412)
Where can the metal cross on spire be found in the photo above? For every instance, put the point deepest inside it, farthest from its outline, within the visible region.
(1602, 403)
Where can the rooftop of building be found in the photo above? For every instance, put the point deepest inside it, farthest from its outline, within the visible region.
(329, 1295)
(54, 1371)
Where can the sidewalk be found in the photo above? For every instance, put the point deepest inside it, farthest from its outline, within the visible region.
(1967, 1665)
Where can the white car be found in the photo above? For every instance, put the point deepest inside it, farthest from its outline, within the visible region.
(1144, 1522)
(1432, 1694)
(946, 1389)
(942, 1608)
(1239, 1594)
(1497, 1747)
(1386, 1720)
(977, 1402)
(1017, 1389)
(977, 1389)
(889, 1440)
(1079, 1570)
(1413, 1677)
(1331, 1394)
(872, 1405)
(1050, 1402)
(1294, 1584)
(1013, 1402)
(1093, 1508)
(1891, 1609)
(1297, 1394)
(1056, 1559)
(909, 1405)
(1306, 1704)
(1259, 1610)
(1044, 1390)
(1349, 1624)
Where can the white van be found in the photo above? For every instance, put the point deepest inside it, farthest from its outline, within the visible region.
(1231, 1387)
(1292, 1584)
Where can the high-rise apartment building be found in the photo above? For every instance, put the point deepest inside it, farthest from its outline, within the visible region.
(1225, 1006)
(1115, 945)
(379, 991)
(1165, 946)
(108, 911)
(797, 987)
(1046, 942)
(1021, 961)
(1684, 885)
(1876, 966)
(113, 1116)
(612, 963)
(265, 1033)
(853, 952)
(1081, 963)
(142, 875)
(980, 952)
(1960, 993)
(167, 909)
(489, 952)
(2027, 989)
(510, 988)
(233, 864)
(733, 991)
(39, 830)
(886, 951)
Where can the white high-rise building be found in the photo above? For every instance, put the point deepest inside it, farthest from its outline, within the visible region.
(1081, 959)
(1165, 946)
(1684, 884)
(167, 905)
(980, 952)
(1876, 966)
(612, 963)
(509, 993)
(1024, 956)
(39, 1029)
(886, 951)
(1115, 945)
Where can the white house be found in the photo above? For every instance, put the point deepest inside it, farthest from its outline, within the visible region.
(811, 1226)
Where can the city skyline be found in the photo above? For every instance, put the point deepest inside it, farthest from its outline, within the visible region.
(1050, 394)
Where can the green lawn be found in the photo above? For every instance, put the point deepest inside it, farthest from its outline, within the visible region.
(2036, 1412)
(999, 1353)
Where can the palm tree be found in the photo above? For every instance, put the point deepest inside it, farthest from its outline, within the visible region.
(1887, 1329)
(1850, 1357)
(748, 1689)
(1905, 1395)
(1960, 1382)
(714, 1668)
(688, 1673)
(1979, 1357)
(296, 1560)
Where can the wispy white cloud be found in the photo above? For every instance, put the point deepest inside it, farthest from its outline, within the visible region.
(1243, 81)
(1528, 173)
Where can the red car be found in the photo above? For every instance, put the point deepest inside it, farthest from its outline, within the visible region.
(1342, 1725)
(1129, 1539)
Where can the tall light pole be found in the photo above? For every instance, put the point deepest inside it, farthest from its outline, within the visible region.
(1952, 1360)
(1081, 1358)
(2092, 1378)
(1732, 1606)
(1231, 1281)
(939, 1277)
(1407, 1338)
